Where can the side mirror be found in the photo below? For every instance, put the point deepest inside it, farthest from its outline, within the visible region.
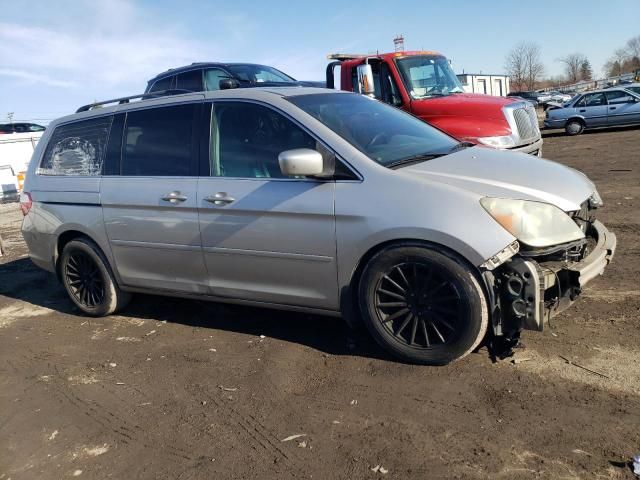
(301, 162)
(365, 79)
(228, 83)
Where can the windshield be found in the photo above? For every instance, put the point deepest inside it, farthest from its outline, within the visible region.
(259, 74)
(427, 76)
(383, 133)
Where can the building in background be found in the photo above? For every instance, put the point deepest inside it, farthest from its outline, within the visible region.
(489, 84)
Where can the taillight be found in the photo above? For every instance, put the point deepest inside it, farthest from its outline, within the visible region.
(25, 202)
(20, 178)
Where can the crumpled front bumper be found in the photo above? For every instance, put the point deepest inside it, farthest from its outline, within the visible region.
(537, 291)
(595, 263)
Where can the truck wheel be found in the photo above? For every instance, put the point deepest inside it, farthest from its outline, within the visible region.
(421, 305)
(88, 279)
(574, 127)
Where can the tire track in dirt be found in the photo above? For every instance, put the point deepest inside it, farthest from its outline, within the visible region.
(255, 431)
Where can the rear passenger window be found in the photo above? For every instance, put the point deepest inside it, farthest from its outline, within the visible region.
(618, 96)
(77, 148)
(161, 85)
(158, 142)
(191, 81)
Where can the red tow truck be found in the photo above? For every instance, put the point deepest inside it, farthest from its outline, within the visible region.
(424, 84)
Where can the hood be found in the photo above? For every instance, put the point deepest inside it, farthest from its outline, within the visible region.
(503, 174)
(462, 104)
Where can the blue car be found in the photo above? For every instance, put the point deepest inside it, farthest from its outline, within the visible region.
(600, 108)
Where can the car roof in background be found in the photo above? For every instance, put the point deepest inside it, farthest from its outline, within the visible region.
(200, 65)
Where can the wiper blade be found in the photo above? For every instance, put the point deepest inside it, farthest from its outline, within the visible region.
(414, 159)
(461, 146)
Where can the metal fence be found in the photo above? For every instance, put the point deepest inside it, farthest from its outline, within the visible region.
(592, 84)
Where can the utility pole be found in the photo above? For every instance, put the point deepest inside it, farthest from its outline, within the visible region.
(10, 117)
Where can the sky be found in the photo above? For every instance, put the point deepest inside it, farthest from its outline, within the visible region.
(58, 55)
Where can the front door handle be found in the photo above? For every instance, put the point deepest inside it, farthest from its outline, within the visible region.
(174, 197)
(582, 111)
(220, 198)
(612, 108)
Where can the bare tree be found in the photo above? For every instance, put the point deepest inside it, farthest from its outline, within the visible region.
(524, 66)
(572, 66)
(614, 65)
(633, 47)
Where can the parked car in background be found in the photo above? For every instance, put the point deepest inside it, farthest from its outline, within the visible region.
(634, 87)
(530, 100)
(600, 108)
(20, 127)
(209, 76)
(531, 96)
(558, 97)
(312, 200)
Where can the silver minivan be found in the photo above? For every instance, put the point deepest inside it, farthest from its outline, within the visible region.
(311, 200)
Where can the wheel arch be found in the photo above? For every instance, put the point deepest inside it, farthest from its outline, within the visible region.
(348, 293)
(576, 118)
(66, 236)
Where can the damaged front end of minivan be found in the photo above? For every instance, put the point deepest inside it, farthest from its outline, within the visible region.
(540, 274)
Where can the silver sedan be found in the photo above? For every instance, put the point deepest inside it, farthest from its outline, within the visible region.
(600, 108)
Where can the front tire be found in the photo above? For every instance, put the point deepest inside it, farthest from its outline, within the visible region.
(422, 305)
(88, 279)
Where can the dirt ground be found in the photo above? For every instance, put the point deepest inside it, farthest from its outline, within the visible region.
(188, 390)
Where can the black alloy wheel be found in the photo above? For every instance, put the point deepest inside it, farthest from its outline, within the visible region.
(85, 280)
(88, 279)
(422, 304)
(418, 305)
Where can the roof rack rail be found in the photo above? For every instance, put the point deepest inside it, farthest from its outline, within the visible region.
(142, 96)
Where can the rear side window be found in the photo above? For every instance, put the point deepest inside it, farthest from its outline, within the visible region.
(162, 84)
(191, 81)
(77, 148)
(618, 96)
(159, 142)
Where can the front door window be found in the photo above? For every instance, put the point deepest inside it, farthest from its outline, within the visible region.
(247, 138)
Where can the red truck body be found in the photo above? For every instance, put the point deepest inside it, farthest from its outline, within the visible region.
(498, 122)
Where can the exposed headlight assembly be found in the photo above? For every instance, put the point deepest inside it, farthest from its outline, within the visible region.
(595, 201)
(498, 142)
(536, 224)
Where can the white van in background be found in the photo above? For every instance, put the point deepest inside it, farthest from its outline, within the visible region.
(15, 152)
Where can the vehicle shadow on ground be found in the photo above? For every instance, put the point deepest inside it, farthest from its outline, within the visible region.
(21, 280)
(561, 133)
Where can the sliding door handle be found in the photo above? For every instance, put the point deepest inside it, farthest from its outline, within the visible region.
(173, 197)
(220, 198)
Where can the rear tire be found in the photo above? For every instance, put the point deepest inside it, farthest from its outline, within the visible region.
(422, 305)
(88, 280)
(574, 127)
